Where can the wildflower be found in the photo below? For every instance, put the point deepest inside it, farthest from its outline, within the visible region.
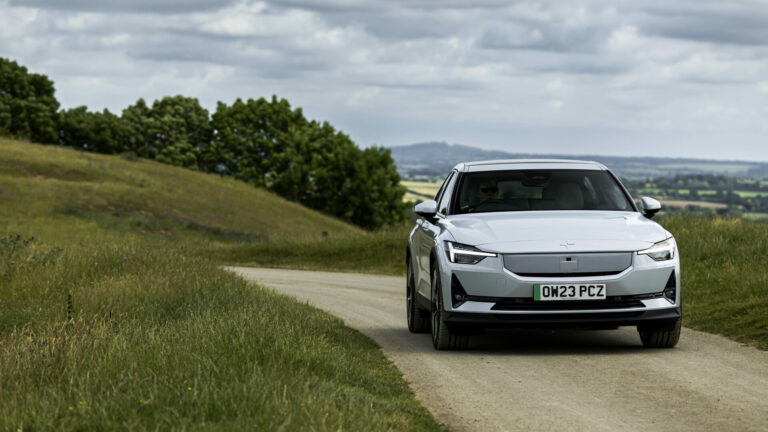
(70, 408)
(189, 388)
(82, 403)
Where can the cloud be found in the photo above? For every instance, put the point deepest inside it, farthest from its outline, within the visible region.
(738, 22)
(137, 6)
(389, 71)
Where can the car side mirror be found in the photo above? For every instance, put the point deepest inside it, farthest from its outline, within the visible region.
(426, 209)
(649, 206)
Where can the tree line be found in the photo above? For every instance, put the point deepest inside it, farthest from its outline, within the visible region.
(262, 142)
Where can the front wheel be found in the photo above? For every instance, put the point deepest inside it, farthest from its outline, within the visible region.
(418, 321)
(654, 336)
(442, 336)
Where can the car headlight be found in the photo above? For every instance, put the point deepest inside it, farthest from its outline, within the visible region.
(661, 251)
(463, 254)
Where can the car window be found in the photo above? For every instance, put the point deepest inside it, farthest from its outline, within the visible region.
(445, 199)
(524, 190)
(589, 189)
(439, 193)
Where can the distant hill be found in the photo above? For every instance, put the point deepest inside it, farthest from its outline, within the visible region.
(437, 158)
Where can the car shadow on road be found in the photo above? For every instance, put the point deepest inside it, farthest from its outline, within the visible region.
(555, 342)
(524, 341)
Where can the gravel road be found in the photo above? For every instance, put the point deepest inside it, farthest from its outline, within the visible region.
(542, 380)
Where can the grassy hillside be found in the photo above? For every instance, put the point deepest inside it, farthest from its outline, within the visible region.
(87, 191)
(114, 316)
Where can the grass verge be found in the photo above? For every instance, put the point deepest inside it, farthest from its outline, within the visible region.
(381, 252)
(115, 317)
(139, 337)
(724, 275)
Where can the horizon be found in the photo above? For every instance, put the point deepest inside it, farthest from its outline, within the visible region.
(631, 156)
(662, 79)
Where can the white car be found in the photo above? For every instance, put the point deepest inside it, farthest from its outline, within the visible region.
(540, 243)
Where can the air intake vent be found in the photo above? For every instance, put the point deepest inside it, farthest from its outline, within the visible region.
(458, 295)
(612, 302)
(670, 290)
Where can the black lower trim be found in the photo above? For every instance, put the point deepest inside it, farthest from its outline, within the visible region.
(564, 319)
(611, 302)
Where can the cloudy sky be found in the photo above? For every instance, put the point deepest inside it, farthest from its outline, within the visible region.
(665, 78)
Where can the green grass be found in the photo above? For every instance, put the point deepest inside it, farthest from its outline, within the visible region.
(382, 252)
(724, 276)
(422, 189)
(115, 317)
(87, 191)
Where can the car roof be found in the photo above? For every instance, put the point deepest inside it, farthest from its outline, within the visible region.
(519, 164)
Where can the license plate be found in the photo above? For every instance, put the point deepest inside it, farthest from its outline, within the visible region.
(568, 292)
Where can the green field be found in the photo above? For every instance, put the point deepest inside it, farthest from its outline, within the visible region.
(116, 315)
(423, 190)
(741, 193)
(755, 216)
(751, 194)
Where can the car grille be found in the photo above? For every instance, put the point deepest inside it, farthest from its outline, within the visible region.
(568, 264)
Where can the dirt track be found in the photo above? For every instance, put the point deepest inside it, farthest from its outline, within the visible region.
(549, 380)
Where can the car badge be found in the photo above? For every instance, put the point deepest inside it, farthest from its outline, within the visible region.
(565, 244)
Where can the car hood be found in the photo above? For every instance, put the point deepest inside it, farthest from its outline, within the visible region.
(555, 231)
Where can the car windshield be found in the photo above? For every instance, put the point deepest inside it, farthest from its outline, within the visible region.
(522, 190)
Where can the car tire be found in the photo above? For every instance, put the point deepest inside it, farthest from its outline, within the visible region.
(442, 336)
(418, 319)
(654, 336)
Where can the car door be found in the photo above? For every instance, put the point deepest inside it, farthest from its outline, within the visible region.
(420, 246)
(428, 233)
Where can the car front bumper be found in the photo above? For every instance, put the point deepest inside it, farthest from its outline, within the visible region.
(497, 297)
(564, 319)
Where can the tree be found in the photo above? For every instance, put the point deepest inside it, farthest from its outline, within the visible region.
(382, 194)
(335, 171)
(263, 142)
(27, 104)
(101, 132)
(173, 131)
(268, 144)
(337, 178)
(252, 140)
